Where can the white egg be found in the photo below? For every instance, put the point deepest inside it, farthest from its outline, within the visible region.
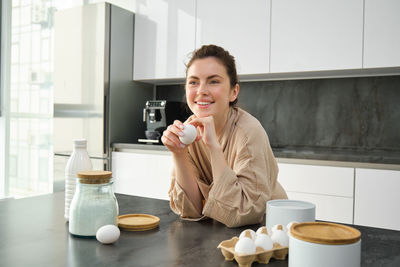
(264, 241)
(108, 234)
(251, 234)
(278, 226)
(262, 231)
(245, 246)
(189, 134)
(280, 237)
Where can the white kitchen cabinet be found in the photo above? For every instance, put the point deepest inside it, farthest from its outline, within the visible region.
(241, 27)
(141, 173)
(313, 35)
(382, 33)
(329, 188)
(323, 180)
(164, 37)
(377, 198)
(328, 208)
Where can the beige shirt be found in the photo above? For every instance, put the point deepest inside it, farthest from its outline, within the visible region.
(239, 196)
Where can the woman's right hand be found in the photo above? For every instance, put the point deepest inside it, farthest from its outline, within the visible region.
(170, 137)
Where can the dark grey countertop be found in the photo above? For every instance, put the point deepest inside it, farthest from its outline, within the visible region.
(126, 146)
(33, 232)
(348, 155)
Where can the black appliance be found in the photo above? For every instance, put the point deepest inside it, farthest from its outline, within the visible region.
(158, 114)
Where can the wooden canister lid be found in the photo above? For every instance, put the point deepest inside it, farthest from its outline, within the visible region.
(325, 233)
(94, 177)
(137, 222)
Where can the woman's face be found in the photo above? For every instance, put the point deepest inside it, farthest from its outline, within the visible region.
(208, 90)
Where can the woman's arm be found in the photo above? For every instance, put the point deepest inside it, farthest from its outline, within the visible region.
(244, 181)
(238, 196)
(184, 172)
(209, 136)
(186, 179)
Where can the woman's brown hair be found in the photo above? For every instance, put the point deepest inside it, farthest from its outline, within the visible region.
(224, 57)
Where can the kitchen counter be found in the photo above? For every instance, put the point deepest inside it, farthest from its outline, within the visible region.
(33, 232)
(338, 158)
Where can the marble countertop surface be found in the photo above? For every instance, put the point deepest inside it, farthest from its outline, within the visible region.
(34, 233)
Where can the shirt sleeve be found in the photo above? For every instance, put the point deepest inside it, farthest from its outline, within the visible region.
(180, 203)
(239, 196)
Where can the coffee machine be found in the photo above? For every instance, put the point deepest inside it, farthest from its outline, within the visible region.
(158, 114)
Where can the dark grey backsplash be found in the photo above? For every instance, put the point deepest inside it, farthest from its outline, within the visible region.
(171, 92)
(356, 119)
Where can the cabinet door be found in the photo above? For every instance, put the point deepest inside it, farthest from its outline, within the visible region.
(322, 180)
(377, 198)
(142, 174)
(79, 54)
(328, 208)
(329, 188)
(164, 37)
(313, 35)
(241, 27)
(382, 33)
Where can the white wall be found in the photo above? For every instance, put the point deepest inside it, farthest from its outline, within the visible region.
(5, 61)
(2, 158)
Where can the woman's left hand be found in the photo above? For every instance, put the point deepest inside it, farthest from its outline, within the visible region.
(207, 131)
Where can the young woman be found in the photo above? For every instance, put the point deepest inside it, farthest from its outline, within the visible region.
(229, 172)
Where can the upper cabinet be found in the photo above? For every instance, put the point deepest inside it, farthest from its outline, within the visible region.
(313, 35)
(267, 37)
(164, 37)
(241, 27)
(382, 33)
(79, 49)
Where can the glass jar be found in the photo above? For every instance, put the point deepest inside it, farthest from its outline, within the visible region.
(94, 203)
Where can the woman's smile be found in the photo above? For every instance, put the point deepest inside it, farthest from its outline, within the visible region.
(208, 90)
(203, 104)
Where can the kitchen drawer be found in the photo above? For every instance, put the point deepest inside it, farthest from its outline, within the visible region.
(377, 198)
(142, 174)
(322, 180)
(328, 208)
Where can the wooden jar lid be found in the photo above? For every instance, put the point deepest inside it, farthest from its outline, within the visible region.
(137, 222)
(325, 233)
(94, 177)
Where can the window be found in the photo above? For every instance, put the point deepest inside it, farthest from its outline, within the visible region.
(29, 98)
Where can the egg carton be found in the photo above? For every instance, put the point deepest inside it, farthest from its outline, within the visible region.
(227, 247)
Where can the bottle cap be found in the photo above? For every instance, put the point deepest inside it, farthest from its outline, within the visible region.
(80, 143)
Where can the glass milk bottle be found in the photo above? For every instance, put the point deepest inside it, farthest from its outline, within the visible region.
(94, 204)
(78, 161)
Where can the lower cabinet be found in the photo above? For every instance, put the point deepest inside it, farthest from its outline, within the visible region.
(377, 198)
(328, 208)
(329, 188)
(142, 174)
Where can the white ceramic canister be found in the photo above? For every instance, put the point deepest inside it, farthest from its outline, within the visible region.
(316, 244)
(284, 211)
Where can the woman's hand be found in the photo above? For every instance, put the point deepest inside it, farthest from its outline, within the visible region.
(207, 131)
(170, 137)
